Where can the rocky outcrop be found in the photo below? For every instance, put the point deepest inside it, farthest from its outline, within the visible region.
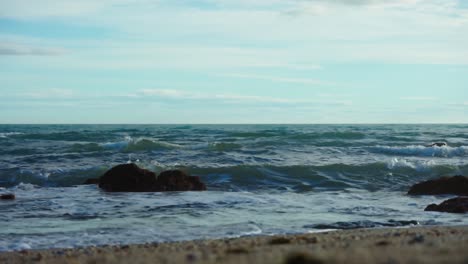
(454, 205)
(131, 178)
(7, 196)
(457, 185)
(128, 178)
(177, 180)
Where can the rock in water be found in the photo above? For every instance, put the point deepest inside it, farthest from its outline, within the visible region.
(454, 205)
(177, 180)
(438, 144)
(457, 185)
(131, 178)
(128, 178)
(7, 196)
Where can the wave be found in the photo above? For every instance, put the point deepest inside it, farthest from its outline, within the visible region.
(139, 144)
(420, 166)
(224, 146)
(366, 224)
(49, 178)
(395, 174)
(418, 150)
(329, 135)
(257, 134)
(345, 135)
(87, 136)
(459, 135)
(85, 147)
(391, 175)
(9, 134)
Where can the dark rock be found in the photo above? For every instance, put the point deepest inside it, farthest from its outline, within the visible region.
(438, 144)
(279, 241)
(302, 258)
(91, 181)
(382, 243)
(457, 185)
(177, 180)
(7, 196)
(239, 250)
(128, 178)
(131, 178)
(454, 205)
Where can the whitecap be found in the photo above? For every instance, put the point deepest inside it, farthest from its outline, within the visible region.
(7, 134)
(139, 144)
(420, 166)
(418, 150)
(21, 246)
(24, 186)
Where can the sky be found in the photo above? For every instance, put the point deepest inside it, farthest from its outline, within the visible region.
(233, 61)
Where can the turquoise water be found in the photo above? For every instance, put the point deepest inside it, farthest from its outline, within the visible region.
(261, 179)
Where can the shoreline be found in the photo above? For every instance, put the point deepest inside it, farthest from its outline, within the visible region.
(422, 244)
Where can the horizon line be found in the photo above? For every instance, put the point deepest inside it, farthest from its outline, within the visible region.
(337, 123)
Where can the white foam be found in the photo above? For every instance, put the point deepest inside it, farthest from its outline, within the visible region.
(418, 150)
(138, 143)
(115, 145)
(420, 166)
(24, 186)
(7, 134)
(21, 246)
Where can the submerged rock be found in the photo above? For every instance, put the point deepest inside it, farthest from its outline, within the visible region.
(457, 185)
(128, 178)
(7, 196)
(454, 205)
(177, 180)
(131, 178)
(438, 144)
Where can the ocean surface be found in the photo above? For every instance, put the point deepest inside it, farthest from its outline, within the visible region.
(261, 179)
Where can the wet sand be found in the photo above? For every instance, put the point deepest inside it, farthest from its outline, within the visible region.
(389, 245)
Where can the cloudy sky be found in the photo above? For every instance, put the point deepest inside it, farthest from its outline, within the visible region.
(234, 61)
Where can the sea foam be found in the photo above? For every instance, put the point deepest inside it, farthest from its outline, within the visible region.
(424, 151)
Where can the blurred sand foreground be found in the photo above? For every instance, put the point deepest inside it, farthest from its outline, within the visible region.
(390, 245)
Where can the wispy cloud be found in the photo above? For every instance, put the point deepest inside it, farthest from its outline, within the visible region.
(419, 98)
(177, 94)
(18, 49)
(54, 93)
(234, 98)
(280, 79)
(366, 2)
(458, 104)
(25, 9)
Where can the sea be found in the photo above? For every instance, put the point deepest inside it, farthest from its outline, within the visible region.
(261, 180)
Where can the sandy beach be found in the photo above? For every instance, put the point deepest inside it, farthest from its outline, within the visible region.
(388, 245)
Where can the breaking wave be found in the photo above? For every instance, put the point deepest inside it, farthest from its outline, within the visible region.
(417, 150)
(139, 144)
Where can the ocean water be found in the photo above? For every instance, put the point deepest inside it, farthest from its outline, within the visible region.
(261, 179)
